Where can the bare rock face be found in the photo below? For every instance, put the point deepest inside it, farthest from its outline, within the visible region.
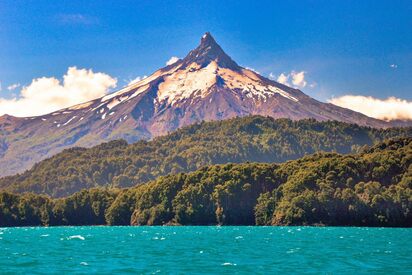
(206, 85)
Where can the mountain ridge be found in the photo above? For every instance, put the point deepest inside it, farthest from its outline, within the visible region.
(206, 85)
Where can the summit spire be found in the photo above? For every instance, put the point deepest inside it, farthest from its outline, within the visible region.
(208, 51)
(208, 39)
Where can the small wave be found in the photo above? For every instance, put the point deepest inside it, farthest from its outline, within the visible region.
(239, 237)
(229, 264)
(45, 235)
(80, 237)
(84, 263)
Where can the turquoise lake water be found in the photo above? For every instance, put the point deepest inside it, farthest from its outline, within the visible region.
(193, 250)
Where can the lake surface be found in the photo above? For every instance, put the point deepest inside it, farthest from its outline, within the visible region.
(223, 250)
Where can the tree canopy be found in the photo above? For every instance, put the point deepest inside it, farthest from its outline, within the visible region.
(117, 164)
(370, 188)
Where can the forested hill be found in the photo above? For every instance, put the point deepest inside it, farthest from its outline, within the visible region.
(372, 188)
(254, 139)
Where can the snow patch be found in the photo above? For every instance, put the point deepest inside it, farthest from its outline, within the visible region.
(139, 91)
(113, 103)
(187, 83)
(69, 121)
(81, 106)
(251, 85)
(193, 82)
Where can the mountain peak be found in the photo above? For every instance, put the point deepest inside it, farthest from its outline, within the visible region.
(208, 39)
(209, 51)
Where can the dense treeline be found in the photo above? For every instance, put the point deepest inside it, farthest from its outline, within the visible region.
(87, 207)
(255, 139)
(371, 188)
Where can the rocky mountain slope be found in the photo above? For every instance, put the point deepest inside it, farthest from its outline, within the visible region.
(206, 85)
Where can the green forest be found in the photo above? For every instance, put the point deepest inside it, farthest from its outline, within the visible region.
(117, 164)
(372, 187)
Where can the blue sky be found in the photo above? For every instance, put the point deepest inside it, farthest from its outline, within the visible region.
(344, 47)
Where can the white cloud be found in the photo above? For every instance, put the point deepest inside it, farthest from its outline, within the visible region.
(77, 19)
(253, 70)
(172, 60)
(13, 86)
(283, 79)
(48, 94)
(386, 109)
(393, 66)
(272, 76)
(313, 85)
(135, 80)
(297, 79)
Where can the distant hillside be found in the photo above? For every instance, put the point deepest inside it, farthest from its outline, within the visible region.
(372, 188)
(253, 139)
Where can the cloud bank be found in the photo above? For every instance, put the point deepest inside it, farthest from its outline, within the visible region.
(388, 109)
(48, 94)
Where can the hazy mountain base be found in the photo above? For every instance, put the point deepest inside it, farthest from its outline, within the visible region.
(371, 188)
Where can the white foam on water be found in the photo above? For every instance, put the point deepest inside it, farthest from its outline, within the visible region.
(229, 264)
(84, 263)
(80, 237)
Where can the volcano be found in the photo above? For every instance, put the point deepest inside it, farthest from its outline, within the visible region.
(205, 85)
